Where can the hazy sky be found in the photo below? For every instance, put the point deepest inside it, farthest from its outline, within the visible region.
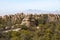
(11, 6)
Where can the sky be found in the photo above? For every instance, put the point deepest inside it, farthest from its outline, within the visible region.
(12, 6)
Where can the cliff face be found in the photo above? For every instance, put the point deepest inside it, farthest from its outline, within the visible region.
(49, 17)
(30, 19)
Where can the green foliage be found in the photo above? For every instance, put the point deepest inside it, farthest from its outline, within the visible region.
(44, 30)
(24, 27)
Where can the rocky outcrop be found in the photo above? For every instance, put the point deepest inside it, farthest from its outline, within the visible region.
(28, 21)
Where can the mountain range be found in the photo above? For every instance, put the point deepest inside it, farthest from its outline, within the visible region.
(41, 11)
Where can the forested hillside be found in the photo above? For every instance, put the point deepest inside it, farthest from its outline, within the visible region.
(30, 27)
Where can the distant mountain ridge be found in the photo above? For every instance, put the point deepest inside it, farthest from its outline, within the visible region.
(32, 11)
(40, 11)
